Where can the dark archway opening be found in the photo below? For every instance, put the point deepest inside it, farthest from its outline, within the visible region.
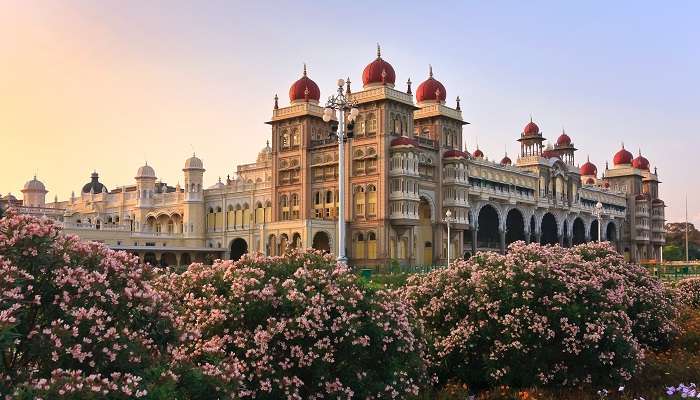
(185, 259)
(594, 230)
(487, 236)
(579, 232)
(549, 230)
(611, 232)
(515, 227)
(321, 242)
(533, 233)
(150, 258)
(238, 248)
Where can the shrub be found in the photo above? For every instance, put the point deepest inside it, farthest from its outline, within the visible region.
(298, 327)
(688, 291)
(539, 316)
(77, 320)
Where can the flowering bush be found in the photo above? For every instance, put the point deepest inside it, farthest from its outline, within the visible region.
(77, 320)
(540, 315)
(296, 327)
(688, 291)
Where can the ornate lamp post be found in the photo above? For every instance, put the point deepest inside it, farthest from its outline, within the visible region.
(598, 212)
(344, 105)
(448, 220)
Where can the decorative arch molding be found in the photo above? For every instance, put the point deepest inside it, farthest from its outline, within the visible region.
(616, 224)
(430, 197)
(507, 208)
(496, 206)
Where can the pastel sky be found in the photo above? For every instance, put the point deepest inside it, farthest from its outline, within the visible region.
(106, 85)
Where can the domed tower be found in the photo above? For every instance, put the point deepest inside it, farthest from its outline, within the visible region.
(378, 73)
(193, 218)
(589, 172)
(145, 186)
(34, 193)
(304, 90)
(564, 148)
(94, 186)
(531, 140)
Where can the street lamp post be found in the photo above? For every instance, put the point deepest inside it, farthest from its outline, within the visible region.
(598, 213)
(448, 220)
(344, 105)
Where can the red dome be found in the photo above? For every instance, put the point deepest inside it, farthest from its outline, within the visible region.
(564, 139)
(590, 181)
(478, 153)
(606, 184)
(531, 129)
(431, 89)
(588, 168)
(622, 157)
(304, 89)
(455, 154)
(640, 162)
(506, 160)
(379, 71)
(403, 141)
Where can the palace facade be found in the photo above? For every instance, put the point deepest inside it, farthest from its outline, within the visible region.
(406, 167)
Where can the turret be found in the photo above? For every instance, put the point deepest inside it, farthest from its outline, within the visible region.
(145, 186)
(34, 193)
(193, 218)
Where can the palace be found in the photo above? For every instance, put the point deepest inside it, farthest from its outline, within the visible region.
(406, 166)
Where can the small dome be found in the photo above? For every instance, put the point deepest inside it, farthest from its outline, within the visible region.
(9, 198)
(146, 172)
(304, 90)
(640, 162)
(606, 184)
(588, 168)
(563, 140)
(506, 160)
(218, 185)
(455, 154)
(379, 72)
(94, 186)
(192, 163)
(531, 129)
(478, 153)
(403, 141)
(34, 186)
(622, 157)
(431, 90)
(590, 181)
(265, 154)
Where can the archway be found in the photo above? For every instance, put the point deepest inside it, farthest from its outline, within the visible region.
(296, 241)
(272, 245)
(565, 233)
(611, 232)
(150, 258)
(579, 232)
(594, 230)
(424, 230)
(238, 247)
(321, 242)
(549, 230)
(185, 259)
(487, 236)
(533, 229)
(168, 260)
(515, 227)
(284, 243)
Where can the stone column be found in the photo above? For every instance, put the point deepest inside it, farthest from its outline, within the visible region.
(538, 237)
(502, 236)
(561, 240)
(474, 238)
(177, 259)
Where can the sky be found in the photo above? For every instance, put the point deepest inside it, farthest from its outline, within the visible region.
(109, 85)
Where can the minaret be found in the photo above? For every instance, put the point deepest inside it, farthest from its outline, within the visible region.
(145, 186)
(531, 140)
(193, 218)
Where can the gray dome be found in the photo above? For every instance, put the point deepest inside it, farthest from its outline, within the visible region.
(194, 163)
(34, 185)
(146, 172)
(94, 186)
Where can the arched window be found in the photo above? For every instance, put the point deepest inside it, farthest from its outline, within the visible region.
(359, 201)
(284, 139)
(371, 200)
(211, 210)
(360, 246)
(371, 245)
(329, 197)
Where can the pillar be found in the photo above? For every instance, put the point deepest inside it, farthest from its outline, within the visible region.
(538, 237)
(177, 259)
(561, 240)
(474, 237)
(502, 237)
(528, 237)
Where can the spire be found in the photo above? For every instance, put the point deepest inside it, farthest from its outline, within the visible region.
(347, 86)
(276, 102)
(379, 51)
(408, 84)
(304, 69)
(430, 70)
(458, 108)
(639, 150)
(623, 145)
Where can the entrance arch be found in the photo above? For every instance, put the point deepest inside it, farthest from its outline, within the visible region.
(150, 258)
(611, 232)
(594, 230)
(579, 232)
(185, 259)
(424, 230)
(168, 260)
(487, 236)
(515, 226)
(549, 230)
(322, 242)
(238, 247)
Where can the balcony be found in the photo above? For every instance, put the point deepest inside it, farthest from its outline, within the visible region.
(410, 196)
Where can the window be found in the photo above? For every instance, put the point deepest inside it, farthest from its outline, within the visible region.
(371, 200)
(371, 246)
(359, 201)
